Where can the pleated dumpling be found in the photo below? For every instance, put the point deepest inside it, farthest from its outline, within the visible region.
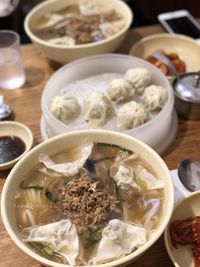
(65, 108)
(154, 97)
(119, 239)
(97, 109)
(120, 90)
(131, 115)
(140, 78)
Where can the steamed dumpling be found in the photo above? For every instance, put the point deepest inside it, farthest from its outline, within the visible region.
(65, 108)
(119, 90)
(131, 115)
(140, 78)
(119, 239)
(97, 109)
(154, 97)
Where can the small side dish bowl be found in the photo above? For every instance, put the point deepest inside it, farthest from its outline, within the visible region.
(24, 136)
(63, 53)
(187, 208)
(185, 48)
(63, 143)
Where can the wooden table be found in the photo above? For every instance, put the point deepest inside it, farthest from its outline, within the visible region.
(25, 103)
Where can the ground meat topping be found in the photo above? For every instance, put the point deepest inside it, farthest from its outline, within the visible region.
(86, 203)
(81, 28)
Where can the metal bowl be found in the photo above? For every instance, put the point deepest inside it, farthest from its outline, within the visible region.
(187, 95)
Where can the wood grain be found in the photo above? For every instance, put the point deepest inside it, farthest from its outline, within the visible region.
(25, 103)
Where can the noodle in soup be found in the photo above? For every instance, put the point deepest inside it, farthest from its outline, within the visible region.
(95, 198)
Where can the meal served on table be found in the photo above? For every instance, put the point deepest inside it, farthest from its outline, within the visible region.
(89, 205)
(82, 23)
(123, 101)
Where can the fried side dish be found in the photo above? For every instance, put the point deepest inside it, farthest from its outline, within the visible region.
(179, 64)
(187, 232)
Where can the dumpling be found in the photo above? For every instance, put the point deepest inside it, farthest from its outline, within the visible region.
(110, 28)
(119, 239)
(69, 168)
(97, 109)
(131, 173)
(120, 90)
(50, 20)
(88, 8)
(65, 108)
(64, 40)
(154, 97)
(131, 115)
(140, 78)
(132, 177)
(61, 237)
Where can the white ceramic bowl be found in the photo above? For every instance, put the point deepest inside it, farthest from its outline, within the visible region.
(11, 128)
(63, 54)
(58, 144)
(185, 47)
(158, 132)
(188, 207)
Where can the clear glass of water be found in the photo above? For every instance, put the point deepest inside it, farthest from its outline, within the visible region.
(12, 74)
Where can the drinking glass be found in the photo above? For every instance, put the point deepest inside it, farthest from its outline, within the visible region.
(12, 74)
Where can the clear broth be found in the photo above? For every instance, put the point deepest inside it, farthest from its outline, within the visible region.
(45, 211)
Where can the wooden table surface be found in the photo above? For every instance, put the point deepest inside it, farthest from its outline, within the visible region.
(25, 103)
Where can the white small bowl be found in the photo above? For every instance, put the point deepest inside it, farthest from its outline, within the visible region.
(11, 128)
(188, 207)
(63, 53)
(63, 142)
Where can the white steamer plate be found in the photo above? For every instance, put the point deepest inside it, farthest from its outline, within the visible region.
(160, 146)
(158, 132)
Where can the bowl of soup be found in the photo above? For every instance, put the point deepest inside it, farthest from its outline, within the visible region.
(68, 30)
(88, 198)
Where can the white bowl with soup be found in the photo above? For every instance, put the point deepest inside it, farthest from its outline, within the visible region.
(68, 30)
(108, 192)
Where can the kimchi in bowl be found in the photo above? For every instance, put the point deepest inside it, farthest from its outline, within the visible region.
(183, 51)
(182, 233)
